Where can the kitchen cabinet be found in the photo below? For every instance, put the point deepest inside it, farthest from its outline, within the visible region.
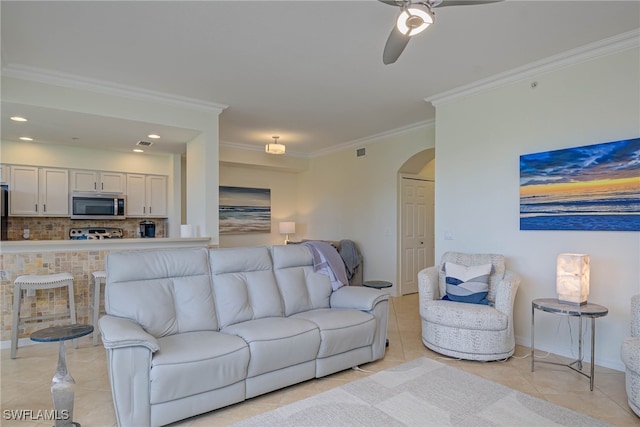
(4, 174)
(39, 191)
(97, 182)
(146, 196)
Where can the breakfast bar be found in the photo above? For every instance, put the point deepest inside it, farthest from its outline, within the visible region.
(80, 258)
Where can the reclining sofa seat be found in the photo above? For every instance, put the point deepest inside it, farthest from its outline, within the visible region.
(192, 330)
(166, 357)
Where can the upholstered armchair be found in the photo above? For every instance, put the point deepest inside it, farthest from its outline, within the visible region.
(631, 357)
(468, 330)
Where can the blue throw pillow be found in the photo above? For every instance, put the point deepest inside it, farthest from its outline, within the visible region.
(467, 284)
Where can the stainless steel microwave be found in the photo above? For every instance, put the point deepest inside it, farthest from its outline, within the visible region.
(97, 206)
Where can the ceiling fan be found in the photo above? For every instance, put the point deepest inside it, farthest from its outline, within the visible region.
(414, 18)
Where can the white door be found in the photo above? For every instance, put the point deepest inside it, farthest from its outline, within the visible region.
(417, 231)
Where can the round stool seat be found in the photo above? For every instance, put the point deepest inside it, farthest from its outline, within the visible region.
(42, 280)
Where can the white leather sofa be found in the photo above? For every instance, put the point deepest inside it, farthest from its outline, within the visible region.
(631, 357)
(191, 330)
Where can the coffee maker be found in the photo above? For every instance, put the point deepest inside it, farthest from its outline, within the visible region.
(147, 229)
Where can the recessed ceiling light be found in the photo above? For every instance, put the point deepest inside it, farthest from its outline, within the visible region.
(26, 138)
(18, 119)
(154, 136)
(138, 150)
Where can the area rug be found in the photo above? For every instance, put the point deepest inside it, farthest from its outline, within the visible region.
(422, 392)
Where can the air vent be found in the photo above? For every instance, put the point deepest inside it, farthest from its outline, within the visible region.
(361, 152)
(144, 143)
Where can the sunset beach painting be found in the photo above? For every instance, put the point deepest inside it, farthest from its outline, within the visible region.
(594, 187)
(244, 210)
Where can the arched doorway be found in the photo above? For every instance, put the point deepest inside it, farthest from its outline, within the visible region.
(416, 180)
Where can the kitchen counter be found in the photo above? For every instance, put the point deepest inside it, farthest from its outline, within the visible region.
(30, 246)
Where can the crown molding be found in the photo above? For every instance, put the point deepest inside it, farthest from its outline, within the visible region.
(257, 148)
(358, 143)
(40, 75)
(605, 47)
(340, 147)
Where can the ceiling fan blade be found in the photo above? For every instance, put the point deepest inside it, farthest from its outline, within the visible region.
(392, 2)
(394, 47)
(464, 2)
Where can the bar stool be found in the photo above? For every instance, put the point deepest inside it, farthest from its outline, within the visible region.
(99, 277)
(37, 282)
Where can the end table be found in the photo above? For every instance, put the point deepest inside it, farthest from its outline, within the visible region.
(592, 311)
(62, 384)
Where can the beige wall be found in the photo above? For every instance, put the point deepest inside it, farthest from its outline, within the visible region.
(284, 204)
(344, 197)
(477, 191)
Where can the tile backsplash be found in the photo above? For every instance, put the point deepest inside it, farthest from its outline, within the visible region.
(55, 228)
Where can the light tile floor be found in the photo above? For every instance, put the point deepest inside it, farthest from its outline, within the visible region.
(25, 380)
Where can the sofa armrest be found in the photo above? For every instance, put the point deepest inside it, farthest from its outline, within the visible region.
(357, 297)
(506, 292)
(118, 332)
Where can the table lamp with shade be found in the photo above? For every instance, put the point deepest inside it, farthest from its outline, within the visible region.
(572, 278)
(287, 227)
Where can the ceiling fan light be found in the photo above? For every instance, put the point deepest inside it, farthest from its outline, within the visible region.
(414, 20)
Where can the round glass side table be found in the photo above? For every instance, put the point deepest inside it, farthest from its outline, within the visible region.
(62, 385)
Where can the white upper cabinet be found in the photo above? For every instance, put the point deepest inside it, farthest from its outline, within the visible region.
(157, 195)
(146, 196)
(4, 174)
(39, 191)
(136, 189)
(97, 182)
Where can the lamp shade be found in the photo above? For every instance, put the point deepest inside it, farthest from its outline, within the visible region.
(572, 278)
(287, 227)
(275, 147)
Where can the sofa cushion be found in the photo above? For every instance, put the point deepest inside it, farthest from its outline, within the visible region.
(302, 289)
(244, 286)
(195, 362)
(466, 316)
(166, 292)
(467, 284)
(277, 342)
(341, 330)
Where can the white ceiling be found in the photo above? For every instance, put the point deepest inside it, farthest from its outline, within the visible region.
(309, 71)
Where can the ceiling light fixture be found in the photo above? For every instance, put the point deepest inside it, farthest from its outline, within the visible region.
(414, 20)
(153, 136)
(18, 119)
(26, 138)
(275, 148)
(138, 150)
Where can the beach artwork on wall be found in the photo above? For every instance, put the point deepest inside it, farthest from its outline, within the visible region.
(244, 210)
(594, 187)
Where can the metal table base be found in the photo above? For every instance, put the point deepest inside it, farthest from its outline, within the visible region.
(591, 311)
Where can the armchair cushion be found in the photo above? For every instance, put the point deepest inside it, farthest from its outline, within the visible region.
(468, 284)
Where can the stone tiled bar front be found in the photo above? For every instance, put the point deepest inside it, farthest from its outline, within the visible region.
(78, 257)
